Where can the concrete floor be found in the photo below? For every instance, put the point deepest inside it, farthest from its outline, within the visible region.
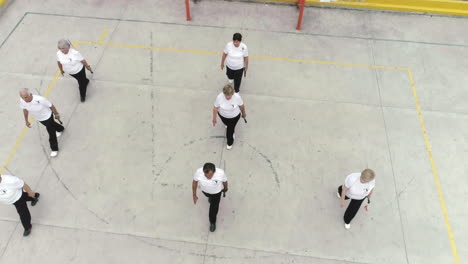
(120, 189)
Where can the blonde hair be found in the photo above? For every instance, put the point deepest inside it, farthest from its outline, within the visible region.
(228, 90)
(367, 175)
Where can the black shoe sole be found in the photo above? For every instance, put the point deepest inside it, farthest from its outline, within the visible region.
(33, 203)
(27, 232)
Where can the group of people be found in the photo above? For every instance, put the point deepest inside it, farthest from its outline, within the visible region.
(212, 181)
(14, 190)
(229, 106)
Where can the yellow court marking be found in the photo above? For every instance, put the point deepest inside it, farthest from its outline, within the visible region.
(445, 7)
(410, 75)
(103, 36)
(434, 170)
(2, 2)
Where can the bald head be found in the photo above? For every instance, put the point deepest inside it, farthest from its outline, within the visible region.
(25, 95)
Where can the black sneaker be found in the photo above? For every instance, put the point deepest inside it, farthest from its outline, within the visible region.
(27, 232)
(83, 99)
(34, 202)
(212, 227)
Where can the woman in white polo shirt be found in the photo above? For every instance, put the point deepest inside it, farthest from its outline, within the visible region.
(236, 57)
(228, 106)
(15, 191)
(357, 187)
(72, 62)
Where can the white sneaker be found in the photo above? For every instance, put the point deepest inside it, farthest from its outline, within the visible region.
(58, 134)
(54, 153)
(338, 195)
(229, 147)
(231, 80)
(347, 226)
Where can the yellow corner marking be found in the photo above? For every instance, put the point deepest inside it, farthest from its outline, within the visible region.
(410, 75)
(252, 56)
(52, 84)
(434, 170)
(13, 151)
(2, 2)
(23, 133)
(103, 36)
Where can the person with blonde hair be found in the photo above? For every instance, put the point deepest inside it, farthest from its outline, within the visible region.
(357, 187)
(229, 106)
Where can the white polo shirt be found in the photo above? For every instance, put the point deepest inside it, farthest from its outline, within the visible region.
(71, 62)
(235, 55)
(356, 189)
(213, 185)
(11, 189)
(229, 108)
(39, 107)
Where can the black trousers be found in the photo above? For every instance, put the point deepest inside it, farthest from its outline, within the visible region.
(214, 200)
(231, 127)
(352, 209)
(23, 211)
(235, 75)
(52, 127)
(82, 81)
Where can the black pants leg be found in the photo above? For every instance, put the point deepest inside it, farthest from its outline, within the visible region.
(52, 127)
(214, 205)
(231, 127)
(352, 209)
(23, 211)
(235, 75)
(82, 81)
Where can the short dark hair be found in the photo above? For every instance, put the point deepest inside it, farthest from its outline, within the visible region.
(209, 167)
(237, 36)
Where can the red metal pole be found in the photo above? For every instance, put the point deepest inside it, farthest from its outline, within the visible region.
(187, 9)
(301, 4)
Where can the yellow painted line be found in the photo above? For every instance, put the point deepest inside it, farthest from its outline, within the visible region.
(331, 63)
(410, 75)
(52, 84)
(2, 2)
(446, 7)
(15, 147)
(252, 56)
(434, 170)
(25, 129)
(103, 36)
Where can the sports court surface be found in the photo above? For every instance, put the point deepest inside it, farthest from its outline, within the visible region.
(353, 89)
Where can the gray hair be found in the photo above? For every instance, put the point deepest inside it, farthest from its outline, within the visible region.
(24, 91)
(63, 43)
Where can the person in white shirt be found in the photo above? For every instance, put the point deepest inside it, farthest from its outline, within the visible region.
(357, 187)
(213, 182)
(43, 110)
(236, 56)
(72, 62)
(15, 191)
(228, 106)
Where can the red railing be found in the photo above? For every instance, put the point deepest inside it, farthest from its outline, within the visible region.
(187, 9)
(301, 5)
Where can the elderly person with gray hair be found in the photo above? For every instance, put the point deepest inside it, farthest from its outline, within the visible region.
(228, 106)
(43, 110)
(357, 187)
(72, 62)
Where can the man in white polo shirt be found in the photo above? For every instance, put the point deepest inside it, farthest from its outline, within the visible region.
(15, 191)
(43, 110)
(213, 181)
